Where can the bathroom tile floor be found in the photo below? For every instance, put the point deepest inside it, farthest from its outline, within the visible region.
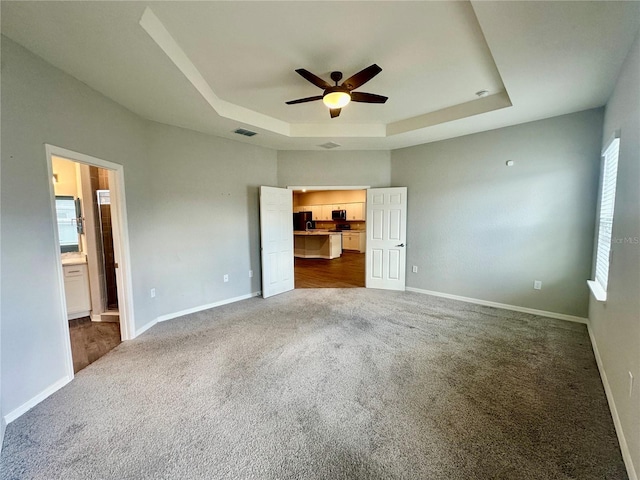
(91, 340)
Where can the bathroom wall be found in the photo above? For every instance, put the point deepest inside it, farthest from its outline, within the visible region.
(106, 231)
(67, 178)
(89, 180)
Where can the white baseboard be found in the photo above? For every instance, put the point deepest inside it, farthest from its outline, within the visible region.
(141, 330)
(3, 427)
(32, 402)
(505, 306)
(624, 448)
(104, 317)
(170, 316)
(11, 416)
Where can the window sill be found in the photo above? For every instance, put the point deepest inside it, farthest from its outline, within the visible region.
(598, 292)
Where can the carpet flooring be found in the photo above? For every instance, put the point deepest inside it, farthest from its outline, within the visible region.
(330, 384)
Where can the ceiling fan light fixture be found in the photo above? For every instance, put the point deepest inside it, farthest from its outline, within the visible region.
(338, 99)
(338, 96)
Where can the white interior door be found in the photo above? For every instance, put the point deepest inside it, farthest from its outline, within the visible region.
(386, 238)
(276, 240)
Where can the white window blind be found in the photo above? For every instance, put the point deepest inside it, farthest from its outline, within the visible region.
(607, 204)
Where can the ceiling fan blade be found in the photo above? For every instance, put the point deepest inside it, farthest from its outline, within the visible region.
(367, 97)
(303, 100)
(361, 77)
(334, 112)
(317, 81)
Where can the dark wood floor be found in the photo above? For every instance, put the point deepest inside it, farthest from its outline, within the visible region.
(91, 340)
(344, 272)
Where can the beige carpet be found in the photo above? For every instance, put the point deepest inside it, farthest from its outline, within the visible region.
(330, 384)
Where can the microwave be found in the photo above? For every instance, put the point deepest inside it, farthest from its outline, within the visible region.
(338, 214)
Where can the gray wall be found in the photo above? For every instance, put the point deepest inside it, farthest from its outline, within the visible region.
(372, 168)
(40, 104)
(190, 218)
(615, 324)
(206, 192)
(480, 229)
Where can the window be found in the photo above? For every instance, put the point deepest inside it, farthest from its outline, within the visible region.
(605, 222)
(69, 223)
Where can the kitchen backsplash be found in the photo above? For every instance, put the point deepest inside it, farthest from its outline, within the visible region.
(330, 225)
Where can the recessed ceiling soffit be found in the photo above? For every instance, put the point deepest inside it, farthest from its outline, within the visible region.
(172, 49)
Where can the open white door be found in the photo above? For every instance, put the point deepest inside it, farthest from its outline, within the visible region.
(276, 240)
(386, 238)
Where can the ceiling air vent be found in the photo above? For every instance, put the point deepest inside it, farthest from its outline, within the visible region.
(246, 133)
(330, 145)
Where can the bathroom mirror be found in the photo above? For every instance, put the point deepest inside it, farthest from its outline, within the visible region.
(69, 223)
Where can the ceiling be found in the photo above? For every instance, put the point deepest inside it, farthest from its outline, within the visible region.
(214, 67)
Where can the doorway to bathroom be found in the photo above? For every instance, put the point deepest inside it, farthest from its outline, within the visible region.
(89, 211)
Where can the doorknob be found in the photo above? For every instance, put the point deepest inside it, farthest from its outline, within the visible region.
(401, 245)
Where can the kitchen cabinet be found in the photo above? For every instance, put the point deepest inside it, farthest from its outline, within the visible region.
(352, 240)
(76, 290)
(316, 212)
(314, 209)
(326, 212)
(355, 211)
(325, 245)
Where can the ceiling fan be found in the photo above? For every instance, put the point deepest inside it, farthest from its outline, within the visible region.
(336, 97)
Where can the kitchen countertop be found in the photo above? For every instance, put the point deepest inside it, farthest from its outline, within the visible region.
(315, 232)
(74, 259)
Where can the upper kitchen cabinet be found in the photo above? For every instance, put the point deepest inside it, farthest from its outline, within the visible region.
(316, 212)
(325, 212)
(322, 203)
(355, 211)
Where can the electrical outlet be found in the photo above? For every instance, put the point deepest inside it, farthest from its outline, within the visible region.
(250, 273)
(153, 293)
(630, 384)
(415, 269)
(537, 285)
(225, 278)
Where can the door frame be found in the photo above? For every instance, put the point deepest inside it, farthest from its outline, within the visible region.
(120, 244)
(328, 187)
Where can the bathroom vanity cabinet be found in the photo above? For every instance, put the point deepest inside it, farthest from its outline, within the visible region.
(76, 290)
